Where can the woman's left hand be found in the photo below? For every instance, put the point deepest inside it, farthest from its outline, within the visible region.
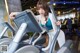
(58, 23)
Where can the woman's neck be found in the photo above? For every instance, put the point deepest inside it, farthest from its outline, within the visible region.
(44, 17)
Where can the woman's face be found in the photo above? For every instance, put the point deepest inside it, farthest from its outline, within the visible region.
(41, 11)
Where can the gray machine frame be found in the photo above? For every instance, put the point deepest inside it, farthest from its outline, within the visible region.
(7, 26)
(28, 25)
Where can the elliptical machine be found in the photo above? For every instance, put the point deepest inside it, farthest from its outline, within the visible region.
(26, 19)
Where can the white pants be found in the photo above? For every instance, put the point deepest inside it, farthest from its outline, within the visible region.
(60, 39)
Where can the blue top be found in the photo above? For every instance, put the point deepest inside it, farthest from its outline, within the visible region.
(48, 24)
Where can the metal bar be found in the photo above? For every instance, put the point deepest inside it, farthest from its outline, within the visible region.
(3, 32)
(14, 44)
(52, 47)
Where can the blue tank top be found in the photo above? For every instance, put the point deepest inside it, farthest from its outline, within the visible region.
(48, 24)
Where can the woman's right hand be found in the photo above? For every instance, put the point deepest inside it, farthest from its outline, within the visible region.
(12, 15)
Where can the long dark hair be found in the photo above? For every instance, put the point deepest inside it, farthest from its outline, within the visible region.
(43, 4)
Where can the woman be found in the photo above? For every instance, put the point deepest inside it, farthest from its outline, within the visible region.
(46, 20)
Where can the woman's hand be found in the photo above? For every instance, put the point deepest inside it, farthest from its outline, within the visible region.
(58, 23)
(12, 15)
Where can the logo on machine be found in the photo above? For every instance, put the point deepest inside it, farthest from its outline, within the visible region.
(3, 48)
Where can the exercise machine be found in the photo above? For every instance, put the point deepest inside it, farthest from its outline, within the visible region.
(28, 23)
(25, 21)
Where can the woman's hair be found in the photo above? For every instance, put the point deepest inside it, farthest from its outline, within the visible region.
(43, 4)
